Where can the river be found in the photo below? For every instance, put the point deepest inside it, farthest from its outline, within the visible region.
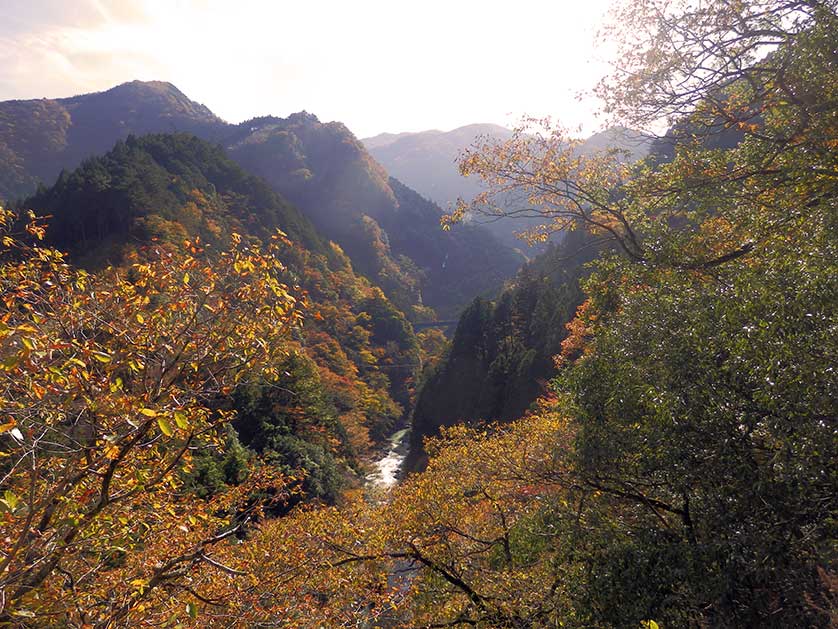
(386, 471)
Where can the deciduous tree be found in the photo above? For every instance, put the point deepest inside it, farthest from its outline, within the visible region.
(107, 381)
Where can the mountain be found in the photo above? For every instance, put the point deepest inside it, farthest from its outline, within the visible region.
(165, 188)
(348, 376)
(39, 138)
(383, 139)
(320, 167)
(391, 233)
(427, 162)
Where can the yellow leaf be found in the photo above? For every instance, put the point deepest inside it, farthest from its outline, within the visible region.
(23, 613)
(148, 412)
(181, 420)
(139, 583)
(165, 426)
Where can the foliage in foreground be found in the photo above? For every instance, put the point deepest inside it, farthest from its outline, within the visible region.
(681, 473)
(108, 384)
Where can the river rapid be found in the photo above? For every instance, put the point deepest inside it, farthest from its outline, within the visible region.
(386, 471)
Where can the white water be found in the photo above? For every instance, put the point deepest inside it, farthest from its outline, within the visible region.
(385, 475)
(386, 470)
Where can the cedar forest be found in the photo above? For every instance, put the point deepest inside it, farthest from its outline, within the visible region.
(209, 331)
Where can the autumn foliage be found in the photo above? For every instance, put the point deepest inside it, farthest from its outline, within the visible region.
(108, 382)
(678, 470)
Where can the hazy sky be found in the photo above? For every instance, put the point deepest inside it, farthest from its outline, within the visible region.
(397, 65)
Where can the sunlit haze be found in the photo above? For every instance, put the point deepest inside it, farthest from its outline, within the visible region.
(378, 66)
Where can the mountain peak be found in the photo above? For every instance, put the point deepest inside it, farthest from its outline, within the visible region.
(159, 98)
(467, 132)
(150, 89)
(151, 86)
(302, 117)
(39, 138)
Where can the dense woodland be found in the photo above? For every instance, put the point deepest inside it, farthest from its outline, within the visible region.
(503, 351)
(350, 377)
(206, 336)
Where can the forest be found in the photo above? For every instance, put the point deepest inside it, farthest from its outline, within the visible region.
(208, 335)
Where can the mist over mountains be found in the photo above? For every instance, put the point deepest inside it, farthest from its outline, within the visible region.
(427, 162)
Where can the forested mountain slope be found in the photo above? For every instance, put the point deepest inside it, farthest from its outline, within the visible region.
(163, 187)
(322, 168)
(39, 138)
(349, 374)
(392, 235)
(502, 353)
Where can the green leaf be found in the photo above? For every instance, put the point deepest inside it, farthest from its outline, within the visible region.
(9, 501)
(192, 610)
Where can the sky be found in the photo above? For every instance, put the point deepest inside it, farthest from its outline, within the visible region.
(378, 66)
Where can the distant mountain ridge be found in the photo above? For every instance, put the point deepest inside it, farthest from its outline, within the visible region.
(427, 162)
(321, 167)
(390, 232)
(455, 136)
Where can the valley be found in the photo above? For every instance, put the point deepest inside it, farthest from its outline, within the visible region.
(274, 368)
